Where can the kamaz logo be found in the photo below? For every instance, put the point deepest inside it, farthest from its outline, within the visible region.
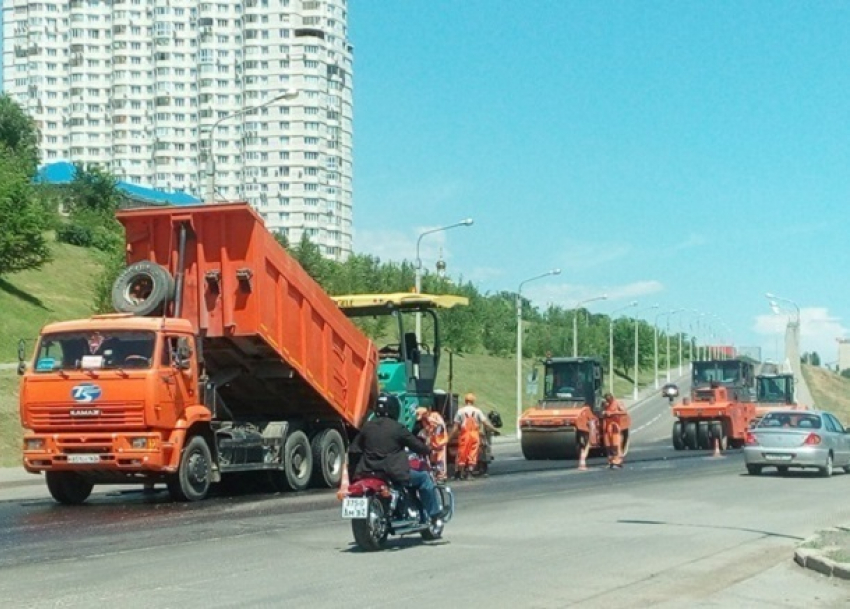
(85, 412)
(86, 392)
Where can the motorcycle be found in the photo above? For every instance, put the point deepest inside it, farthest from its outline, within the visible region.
(670, 391)
(378, 508)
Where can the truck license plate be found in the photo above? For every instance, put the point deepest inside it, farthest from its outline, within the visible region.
(355, 507)
(83, 458)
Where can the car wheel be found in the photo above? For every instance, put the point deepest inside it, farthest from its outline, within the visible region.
(826, 470)
(753, 470)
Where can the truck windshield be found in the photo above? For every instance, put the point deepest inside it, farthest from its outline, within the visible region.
(95, 350)
(568, 382)
(772, 389)
(723, 373)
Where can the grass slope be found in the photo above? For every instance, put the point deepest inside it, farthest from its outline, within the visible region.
(10, 422)
(63, 289)
(830, 391)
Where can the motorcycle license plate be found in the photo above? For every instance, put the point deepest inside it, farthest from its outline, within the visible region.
(355, 507)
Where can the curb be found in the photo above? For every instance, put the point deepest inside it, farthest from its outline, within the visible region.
(817, 560)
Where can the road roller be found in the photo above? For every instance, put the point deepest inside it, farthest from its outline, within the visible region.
(568, 418)
(720, 408)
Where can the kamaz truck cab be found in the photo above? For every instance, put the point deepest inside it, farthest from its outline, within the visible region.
(407, 365)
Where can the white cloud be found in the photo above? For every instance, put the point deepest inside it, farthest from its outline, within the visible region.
(397, 246)
(818, 331)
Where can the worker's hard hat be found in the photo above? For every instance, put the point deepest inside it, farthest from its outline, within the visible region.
(469, 398)
(420, 413)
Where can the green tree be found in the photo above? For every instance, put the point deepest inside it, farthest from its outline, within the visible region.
(23, 218)
(19, 135)
(92, 198)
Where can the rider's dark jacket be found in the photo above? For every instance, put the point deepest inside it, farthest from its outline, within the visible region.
(379, 448)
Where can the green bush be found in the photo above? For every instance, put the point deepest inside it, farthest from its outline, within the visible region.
(75, 234)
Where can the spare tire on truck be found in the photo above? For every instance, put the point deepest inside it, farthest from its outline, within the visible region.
(142, 288)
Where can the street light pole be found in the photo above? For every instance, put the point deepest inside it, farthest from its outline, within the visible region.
(637, 323)
(466, 222)
(667, 355)
(575, 319)
(210, 196)
(519, 344)
(611, 344)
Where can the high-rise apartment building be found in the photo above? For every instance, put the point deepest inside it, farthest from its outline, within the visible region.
(144, 87)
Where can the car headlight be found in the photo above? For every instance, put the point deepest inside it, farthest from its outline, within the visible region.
(33, 444)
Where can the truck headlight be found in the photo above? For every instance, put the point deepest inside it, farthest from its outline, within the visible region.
(139, 443)
(33, 444)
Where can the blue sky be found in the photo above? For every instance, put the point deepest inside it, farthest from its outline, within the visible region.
(690, 154)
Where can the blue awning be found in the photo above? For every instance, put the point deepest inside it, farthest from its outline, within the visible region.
(62, 172)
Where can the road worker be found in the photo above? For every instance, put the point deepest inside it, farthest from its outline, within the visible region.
(436, 436)
(468, 423)
(611, 422)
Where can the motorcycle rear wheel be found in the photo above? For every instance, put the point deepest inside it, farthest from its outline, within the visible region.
(371, 532)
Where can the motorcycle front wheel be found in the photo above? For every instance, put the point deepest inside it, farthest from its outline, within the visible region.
(371, 532)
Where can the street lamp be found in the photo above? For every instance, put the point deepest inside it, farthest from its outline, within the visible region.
(667, 353)
(637, 323)
(467, 222)
(575, 319)
(519, 344)
(773, 298)
(611, 344)
(210, 197)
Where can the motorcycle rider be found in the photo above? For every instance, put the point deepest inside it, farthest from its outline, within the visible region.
(380, 448)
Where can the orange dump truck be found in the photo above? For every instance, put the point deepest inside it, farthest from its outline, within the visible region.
(568, 418)
(225, 357)
(720, 408)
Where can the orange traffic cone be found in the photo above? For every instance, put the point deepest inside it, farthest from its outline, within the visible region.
(717, 448)
(343, 483)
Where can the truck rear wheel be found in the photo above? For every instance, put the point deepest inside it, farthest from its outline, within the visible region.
(328, 454)
(718, 432)
(68, 488)
(678, 436)
(142, 288)
(703, 438)
(691, 435)
(194, 476)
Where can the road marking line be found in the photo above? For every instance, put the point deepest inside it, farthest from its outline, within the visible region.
(645, 425)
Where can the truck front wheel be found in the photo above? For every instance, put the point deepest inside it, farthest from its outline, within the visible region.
(194, 477)
(68, 488)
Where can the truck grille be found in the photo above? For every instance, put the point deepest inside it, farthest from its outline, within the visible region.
(101, 415)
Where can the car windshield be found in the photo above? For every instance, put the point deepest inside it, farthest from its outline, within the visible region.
(787, 420)
(95, 350)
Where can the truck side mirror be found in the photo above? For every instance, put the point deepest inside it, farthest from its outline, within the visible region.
(22, 353)
(184, 354)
